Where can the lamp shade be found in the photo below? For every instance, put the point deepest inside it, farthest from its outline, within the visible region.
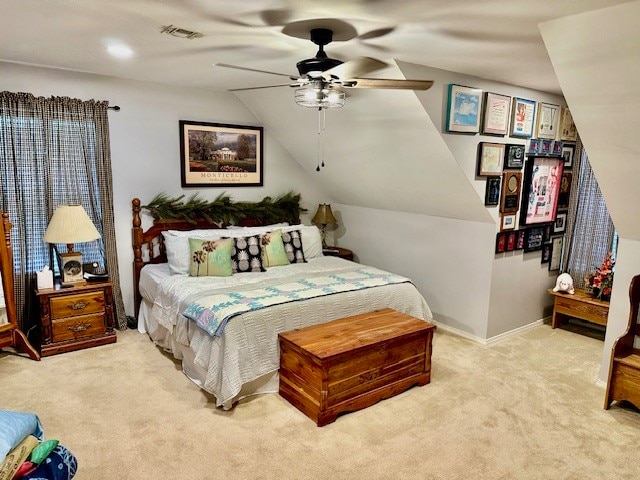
(324, 215)
(70, 224)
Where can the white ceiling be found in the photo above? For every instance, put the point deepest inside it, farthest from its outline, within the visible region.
(493, 39)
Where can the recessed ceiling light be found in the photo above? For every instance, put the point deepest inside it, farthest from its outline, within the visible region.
(119, 50)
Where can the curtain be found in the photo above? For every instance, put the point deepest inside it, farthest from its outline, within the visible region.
(55, 151)
(590, 231)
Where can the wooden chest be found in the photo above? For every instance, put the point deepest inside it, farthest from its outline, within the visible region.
(352, 363)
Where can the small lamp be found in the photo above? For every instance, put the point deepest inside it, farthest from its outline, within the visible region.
(323, 217)
(70, 224)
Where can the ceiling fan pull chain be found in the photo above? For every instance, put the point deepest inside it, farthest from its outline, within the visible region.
(324, 114)
(318, 150)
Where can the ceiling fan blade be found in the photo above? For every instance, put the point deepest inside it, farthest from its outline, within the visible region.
(376, 33)
(354, 68)
(390, 83)
(259, 88)
(276, 17)
(226, 65)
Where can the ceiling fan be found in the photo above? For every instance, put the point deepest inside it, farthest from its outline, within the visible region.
(322, 78)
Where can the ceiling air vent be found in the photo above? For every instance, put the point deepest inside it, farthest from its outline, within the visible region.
(180, 32)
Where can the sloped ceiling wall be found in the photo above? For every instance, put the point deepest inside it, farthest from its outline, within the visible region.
(596, 56)
(381, 151)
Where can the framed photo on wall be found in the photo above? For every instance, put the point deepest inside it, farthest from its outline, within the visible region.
(514, 156)
(522, 115)
(463, 109)
(220, 155)
(560, 225)
(556, 253)
(492, 191)
(495, 120)
(548, 120)
(565, 190)
(540, 190)
(533, 239)
(501, 242)
(510, 198)
(567, 155)
(520, 236)
(508, 222)
(512, 237)
(568, 131)
(490, 158)
(546, 253)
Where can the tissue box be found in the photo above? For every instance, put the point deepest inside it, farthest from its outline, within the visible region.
(44, 279)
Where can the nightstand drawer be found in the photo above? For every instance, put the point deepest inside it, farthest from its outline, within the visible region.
(79, 304)
(77, 327)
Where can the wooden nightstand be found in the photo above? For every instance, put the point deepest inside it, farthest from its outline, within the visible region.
(76, 317)
(338, 252)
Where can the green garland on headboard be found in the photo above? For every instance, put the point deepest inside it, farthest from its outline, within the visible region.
(285, 207)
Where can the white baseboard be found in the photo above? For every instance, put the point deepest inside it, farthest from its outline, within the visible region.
(487, 342)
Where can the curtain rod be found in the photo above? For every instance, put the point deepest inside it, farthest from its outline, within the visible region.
(115, 107)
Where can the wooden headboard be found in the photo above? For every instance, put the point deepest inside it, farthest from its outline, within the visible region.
(148, 245)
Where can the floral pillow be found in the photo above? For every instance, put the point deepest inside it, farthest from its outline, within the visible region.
(293, 246)
(246, 254)
(210, 258)
(273, 252)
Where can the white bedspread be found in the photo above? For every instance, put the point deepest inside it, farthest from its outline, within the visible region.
(248, 348)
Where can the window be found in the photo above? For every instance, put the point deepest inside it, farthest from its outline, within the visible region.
(54, 151)
(593, 234)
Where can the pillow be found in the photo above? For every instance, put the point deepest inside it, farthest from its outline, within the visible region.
(246, 254)
(176, 244)
(262, 229)
(273, 252)
(311, 239)
(14, 427)
(293, 246)
(210, 258)
(42, 451)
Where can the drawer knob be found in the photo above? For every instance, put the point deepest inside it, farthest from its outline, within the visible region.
(79, 305)
(80, 327)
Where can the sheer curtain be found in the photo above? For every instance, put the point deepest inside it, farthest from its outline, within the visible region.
(590, 231)
(55, 151)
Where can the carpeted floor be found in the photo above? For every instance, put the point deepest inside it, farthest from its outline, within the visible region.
(528, 408)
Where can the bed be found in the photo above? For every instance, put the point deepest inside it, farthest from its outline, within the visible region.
(224, 329)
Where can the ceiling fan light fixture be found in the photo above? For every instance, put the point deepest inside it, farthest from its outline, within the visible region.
(313, 97)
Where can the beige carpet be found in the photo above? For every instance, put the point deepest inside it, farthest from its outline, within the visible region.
(527, 408)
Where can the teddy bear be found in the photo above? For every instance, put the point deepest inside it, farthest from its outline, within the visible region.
(564, 283)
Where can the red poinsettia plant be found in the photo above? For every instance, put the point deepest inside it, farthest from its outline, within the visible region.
(601, 281)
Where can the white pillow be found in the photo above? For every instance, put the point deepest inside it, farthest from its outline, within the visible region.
(311, 239)
(258, 230)
(176, 244)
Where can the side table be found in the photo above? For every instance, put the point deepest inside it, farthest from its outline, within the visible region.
(76, 317)
(578, 305)
(338, 252)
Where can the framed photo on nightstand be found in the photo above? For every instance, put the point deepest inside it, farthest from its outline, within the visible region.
(71, 267)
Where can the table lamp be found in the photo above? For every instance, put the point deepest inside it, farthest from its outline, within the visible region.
(70, 224)
(323, 217)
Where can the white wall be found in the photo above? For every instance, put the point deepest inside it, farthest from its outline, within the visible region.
(447, 259)
(144, 143)
(518, 282)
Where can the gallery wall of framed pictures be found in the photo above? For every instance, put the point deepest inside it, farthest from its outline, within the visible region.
(525, 160)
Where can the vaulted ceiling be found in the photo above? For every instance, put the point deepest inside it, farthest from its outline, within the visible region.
(493, 39)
